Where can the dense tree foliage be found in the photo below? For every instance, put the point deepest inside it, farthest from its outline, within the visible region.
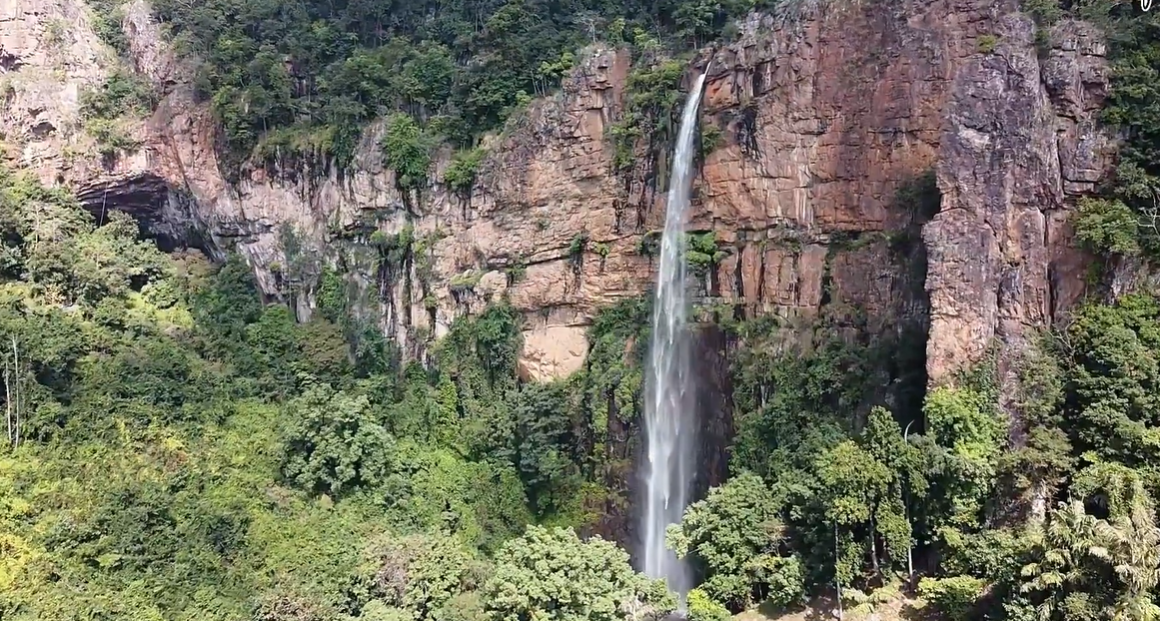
(589, 580)
(175, 448)
(1041, 511)
(734, 535)
(294, 77)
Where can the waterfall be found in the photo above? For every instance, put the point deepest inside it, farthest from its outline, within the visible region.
(670, 420)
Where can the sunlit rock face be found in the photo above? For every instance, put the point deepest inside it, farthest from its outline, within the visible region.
(825, 118)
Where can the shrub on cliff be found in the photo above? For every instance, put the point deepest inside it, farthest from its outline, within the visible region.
(461, 171)
(1107, 227)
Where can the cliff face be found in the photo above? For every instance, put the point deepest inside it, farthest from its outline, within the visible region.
(833, 125)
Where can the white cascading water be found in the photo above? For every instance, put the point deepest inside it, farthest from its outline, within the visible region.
(670, 420)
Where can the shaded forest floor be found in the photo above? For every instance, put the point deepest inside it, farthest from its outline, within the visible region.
(902, 608)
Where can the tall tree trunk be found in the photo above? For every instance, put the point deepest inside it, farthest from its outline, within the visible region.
(837, 574)
(17, 393)
(8, 400)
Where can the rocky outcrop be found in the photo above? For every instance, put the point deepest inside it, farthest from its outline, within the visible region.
(832, 124)
(48, 56)
(1019, 145)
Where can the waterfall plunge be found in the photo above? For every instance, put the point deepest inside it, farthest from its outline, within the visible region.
(670, 420)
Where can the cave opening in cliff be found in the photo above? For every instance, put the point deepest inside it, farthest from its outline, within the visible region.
(164, 215)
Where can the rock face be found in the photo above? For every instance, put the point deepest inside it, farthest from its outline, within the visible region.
(834, 125)
(48, 55)
(1020, 143)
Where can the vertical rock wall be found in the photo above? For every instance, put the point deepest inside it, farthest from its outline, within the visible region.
(833, 123)
(1020, 143)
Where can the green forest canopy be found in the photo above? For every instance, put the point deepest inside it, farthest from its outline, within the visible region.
(176, 449)
(304, 76)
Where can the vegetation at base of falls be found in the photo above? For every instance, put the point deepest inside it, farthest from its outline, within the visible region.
(700, 607)
(589, 580)
(848, 496)
(285, 71)
(733, 536)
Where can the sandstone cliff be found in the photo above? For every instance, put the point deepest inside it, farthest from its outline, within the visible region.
(834, 124)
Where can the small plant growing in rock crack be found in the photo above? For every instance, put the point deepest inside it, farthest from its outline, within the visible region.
(576, 250)
(602, 250)
(649, 244)
(987, 43)
(516, 272)
(393, 249)
(465, 281)
(702, 251)
(106, 107)
(712, 138)
(462, 170)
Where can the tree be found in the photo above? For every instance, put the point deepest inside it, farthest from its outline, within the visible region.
(544, 446)
(701, 607)
(883, 439)
(1092, 567)
(419, 573)
(854, 483)
(964, 424)
(1114, 384)
(733, 535)
(551, 575)
(406, 150)
(334, 444)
